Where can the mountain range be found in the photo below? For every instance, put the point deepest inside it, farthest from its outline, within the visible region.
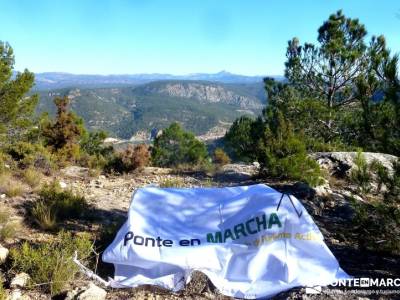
(56, 80)
(124, 109)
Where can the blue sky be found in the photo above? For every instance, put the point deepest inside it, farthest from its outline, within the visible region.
(170, 36)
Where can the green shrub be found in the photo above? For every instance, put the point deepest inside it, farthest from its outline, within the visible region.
(32, 177)
(63, 134)
(391, 181)
(3, 292)
(92, 143)
(240, 139)
(69, 153)
(130, 159)
(282, 153)
(94, 162)
(172, 183)
(8, 228)
(28, 155)
(44, 215)
(5, 160)
(220, 157)
(176, 146)
(51, 262)
(56, 205)
(377, 226)
(361, 175)
(11, 186)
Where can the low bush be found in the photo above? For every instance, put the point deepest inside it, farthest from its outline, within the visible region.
(130, 159)
(92, 143)
(241, 139)
(176, 146)
(172, 183)
(3, 293)
(377, 226)
(8, 228)
(55, 204)
(50, 264)
(44, 215)
(381, 173)
(11, 186)
(70, 153)
(94, 162)
(135, 157)
(30, 155)
(32, 177)
(5, 162)
(282, 153)
(220, 157)
(390, 181)
(361, 175)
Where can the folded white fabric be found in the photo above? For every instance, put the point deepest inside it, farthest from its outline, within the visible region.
(251, 241)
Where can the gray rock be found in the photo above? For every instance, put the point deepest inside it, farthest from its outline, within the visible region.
(3, 254)
(15, 295)
(63, 185)
(92, 292)
(341, 163)
(75, 172)
(20, 280)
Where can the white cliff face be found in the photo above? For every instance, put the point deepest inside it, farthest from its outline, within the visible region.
(208, 93)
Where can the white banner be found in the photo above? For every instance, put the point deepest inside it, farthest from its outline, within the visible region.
(251, 241)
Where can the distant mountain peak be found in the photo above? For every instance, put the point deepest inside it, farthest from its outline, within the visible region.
(54, 80)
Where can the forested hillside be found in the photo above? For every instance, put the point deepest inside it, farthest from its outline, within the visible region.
(122, 111)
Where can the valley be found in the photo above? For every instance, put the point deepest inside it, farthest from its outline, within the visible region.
(124, 111)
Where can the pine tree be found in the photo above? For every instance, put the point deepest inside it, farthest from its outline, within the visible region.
(331, 69)
(16, 108)
(282, 153)
(176, 146)
(355, 82)
(64, 133)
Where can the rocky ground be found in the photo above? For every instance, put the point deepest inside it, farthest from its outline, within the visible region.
(329, 205)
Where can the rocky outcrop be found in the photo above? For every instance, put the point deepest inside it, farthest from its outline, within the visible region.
(340, 164)
(204, 92)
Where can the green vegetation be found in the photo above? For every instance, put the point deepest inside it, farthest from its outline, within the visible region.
(354, 85)
(55, 204)
(172, 183)
(8, 228)
(123, 111)
(50, 264)
(130, 159)
(282, 154)
(64, 133)
(220, 157)
(3, 293)
(377, 226)
(361, 174)
(239, 139)
(16, 108)
(11, 186)
(341, 94)
(32, 177)
(377, 223)
(176, 146)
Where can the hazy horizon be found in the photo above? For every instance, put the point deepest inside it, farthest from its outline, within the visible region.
(156, 73)
(174, 37)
